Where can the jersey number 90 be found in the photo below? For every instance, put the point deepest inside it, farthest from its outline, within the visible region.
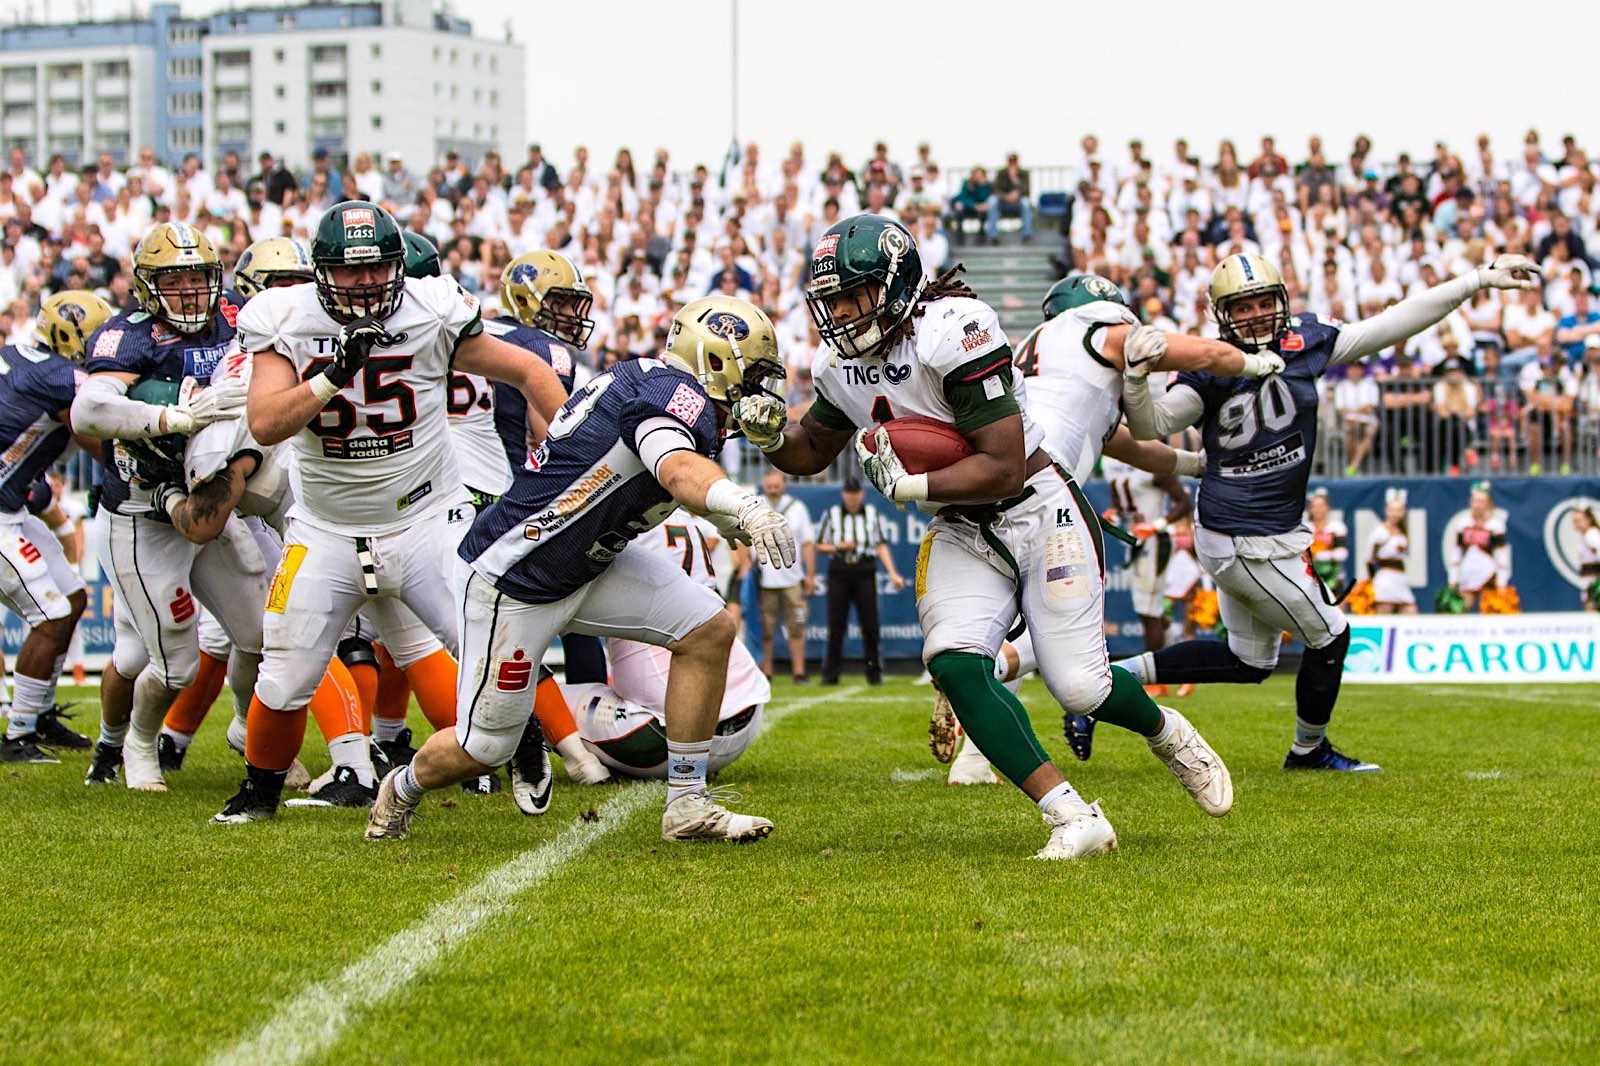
(1246, 414)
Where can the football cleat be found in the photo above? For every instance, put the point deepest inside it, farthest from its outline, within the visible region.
(342, 789)
(25, 749)
(398, 751)
(168, 754)
(701, 816)
(54, 732)
(582, 766)
(1079, 729)
(1327, 757)
(487, 785)
(104, 764)
(390, 819)
(1196, 766)
(971, 767)
(944, 731)
(1077, 831)
(141, 766)
(532, 783)
(254, 802)
(1186, 689)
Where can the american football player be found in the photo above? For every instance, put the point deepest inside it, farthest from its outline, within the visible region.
(1260, 439)
(627, 449)
(37, 387)
(1013, 535)
(167, 349)
(271, 263)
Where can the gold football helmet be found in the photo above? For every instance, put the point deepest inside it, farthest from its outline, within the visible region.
(1246, 275)
(271, 262)
(729, 345)
(170, 252)
(545, 290)
(67, 320)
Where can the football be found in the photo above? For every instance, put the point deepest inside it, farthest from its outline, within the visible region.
(923, 444)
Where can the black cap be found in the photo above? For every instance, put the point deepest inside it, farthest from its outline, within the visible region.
(852, 483)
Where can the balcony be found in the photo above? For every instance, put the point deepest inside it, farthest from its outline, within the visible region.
(111, 122)
(19, 90)
(65, 89)
(329, 70)
(19, 126)
(65, 125)
(231, 76)
(329, 106)
(116, 86)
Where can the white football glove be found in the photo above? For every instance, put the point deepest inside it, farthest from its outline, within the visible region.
(197, 406)
(762, 418)
(885, 470)
(1510, 272)
(728, 526)
(1260, 364)
(1142, 348)
(769, 533)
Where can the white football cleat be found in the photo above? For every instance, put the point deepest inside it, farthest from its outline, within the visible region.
(1077, 831)
(390, 819)
(583, 767)
(1198, 768)
(971, 768)
(701, 816)
(944, 731)
(141, 765)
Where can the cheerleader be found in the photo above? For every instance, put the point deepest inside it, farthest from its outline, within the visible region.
(1386, 559)
(1583, 520)
(1330, 542)
(1478, 558)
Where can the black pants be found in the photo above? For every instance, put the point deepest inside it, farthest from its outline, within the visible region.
(852, 584)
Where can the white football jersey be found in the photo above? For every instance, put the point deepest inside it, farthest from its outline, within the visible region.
(479, 454)
(1134, 492)
(685, 540)
(1074, 395)
(909, 379)
(378, 456)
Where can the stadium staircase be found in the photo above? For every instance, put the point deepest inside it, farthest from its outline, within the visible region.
(1011, 277)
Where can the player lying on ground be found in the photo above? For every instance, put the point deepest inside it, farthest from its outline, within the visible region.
(626, 450)
(1260, 437)
(1013, 535)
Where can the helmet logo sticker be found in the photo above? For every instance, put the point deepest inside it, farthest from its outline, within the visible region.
(70, 311)
(894, 243)
(359, 224)
(724, 324)
(524, 274)
(1100, 287)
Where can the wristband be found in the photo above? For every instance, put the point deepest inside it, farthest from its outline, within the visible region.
(724, 497)
(768, 449)
(911, 488)
(1190, 464)
(63, 528)
(323, 388)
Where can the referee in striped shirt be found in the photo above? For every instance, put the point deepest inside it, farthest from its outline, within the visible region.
(854, 537)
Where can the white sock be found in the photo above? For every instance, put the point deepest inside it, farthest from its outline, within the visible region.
(1027, 661)
(387, 730)
(180, 740)
(571, 748)
(29, 703)
(238, 730)
(1307, 737)
(687, 763)
(1062, 792)
(406, 789)
(151, 700)
(55, 679)
(113, 735)
(351, 750)
(1142, 667)
(1164, 734)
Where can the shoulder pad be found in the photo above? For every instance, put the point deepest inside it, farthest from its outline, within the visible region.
(1103, 313)
(956, 331)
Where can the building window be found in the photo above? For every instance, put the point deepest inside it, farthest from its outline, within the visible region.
(183, 34)
(377, 88)
(476, 59)
(278, 92)
(277, 55)
(377, 51)
(452, 55)
(494, 98)
(115, 69)
(278, 128)
(436, 53)
(184, 139)
(185, 69)
(494, 64)
(183, 103)
(328, 89)
(377, 122)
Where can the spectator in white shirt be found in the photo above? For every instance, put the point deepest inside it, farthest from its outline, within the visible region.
(1526, 325)
(1356, 398)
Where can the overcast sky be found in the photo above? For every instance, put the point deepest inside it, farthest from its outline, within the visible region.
(980, 77)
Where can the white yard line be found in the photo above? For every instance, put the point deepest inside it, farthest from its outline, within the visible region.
(902, 777)
(312, 1021)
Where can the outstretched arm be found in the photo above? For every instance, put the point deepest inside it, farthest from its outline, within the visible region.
(1416, 313)
(1185, 352)
(1179, 408)
(1153, 456)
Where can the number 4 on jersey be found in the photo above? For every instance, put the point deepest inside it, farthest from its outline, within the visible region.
(881, 411)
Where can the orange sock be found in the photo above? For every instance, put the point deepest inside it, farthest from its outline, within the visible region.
(273, 738)
(189, 709)
(364, 677)
(335, 705)
(433, 679)
(550, 707)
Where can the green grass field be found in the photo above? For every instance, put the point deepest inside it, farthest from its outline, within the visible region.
(1447, 909)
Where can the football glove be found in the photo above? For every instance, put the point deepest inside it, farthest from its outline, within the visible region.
(1261, 364)
(728, 526)
(1510, 272)
(762, 418)
(198, 406)
(1142, 349)
(769, 533)
(1190, 464)
(356, 341)
(885, 470)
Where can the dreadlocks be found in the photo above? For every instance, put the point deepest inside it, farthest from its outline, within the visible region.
(943, 287)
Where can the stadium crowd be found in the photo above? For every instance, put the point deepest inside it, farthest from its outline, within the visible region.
(1500, 385)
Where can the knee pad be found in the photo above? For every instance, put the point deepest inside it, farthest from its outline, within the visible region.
(357, 651)
(491, 748)
(1081, 694)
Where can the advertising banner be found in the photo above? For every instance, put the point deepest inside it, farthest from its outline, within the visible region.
(1408, 649)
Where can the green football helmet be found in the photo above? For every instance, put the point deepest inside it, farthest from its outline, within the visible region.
(875, 259)
(153, 460)
(422, 258)
(356, 233)
(1078, 290)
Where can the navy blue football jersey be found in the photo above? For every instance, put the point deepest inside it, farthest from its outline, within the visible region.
(584, 493)
(1261, 435)
(35, 387)
(135, 342)
(510, 406)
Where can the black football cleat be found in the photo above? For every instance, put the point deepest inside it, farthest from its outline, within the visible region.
(345, 790)
(487, 785)
(54, 732)
(25, 749)
(1327, 757)
(105, 763)
(169, 754)
(1079, 729)
(398, 751)
(256, 800)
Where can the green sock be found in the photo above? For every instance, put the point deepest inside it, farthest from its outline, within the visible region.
(1129, 705)
(992, 716)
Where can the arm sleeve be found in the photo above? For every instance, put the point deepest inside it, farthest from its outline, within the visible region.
(827, 412)
(1179, 408)
(102, 409)
(1406, 318)
(656, 438)
(981, 392)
